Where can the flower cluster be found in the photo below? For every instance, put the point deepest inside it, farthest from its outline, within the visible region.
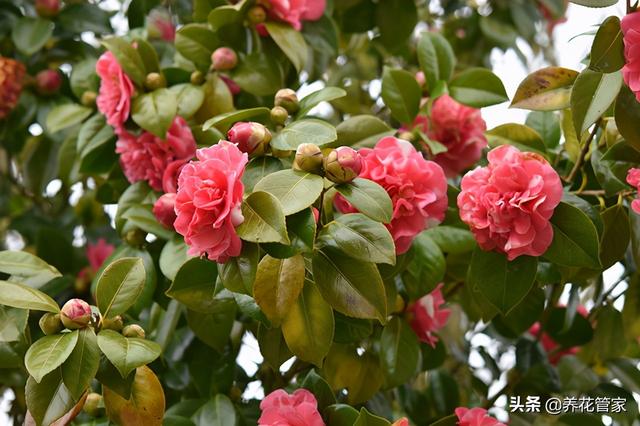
(11, 75)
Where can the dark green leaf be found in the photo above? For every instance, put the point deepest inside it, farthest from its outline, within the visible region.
(263, 220)
(194, 285)
(119, 286)
(126, 353)
(369, 198)
(478, 88)
(401, 93)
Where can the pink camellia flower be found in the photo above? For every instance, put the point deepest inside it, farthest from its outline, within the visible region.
(633, 179)
(475, 417)
(116, 89)
(99, 252)
(171, 173)
(164, 210)
(294, 12)
(631, 34)
(508, 204)
(76, 313)
(298, 409)
(147, 157)
(460, 128)
(417, 187)
(208, 201)
(428, 316)
(160, 25)
(551, 346)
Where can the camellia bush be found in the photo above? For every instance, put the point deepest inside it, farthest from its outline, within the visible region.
(177, 177)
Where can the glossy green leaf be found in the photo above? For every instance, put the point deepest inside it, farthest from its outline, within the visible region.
(217, 412)
(277, 286)
(13, 322)
(224, 121)
(214, 327)
(309, 130)
(128, 58)
(142, 217)
(119, 286)
(522, 137)
(95, 144)
(82, 364)
(388, 14)
(189, 99)
(23, 297)
(365, 418)
(592, 94)
(341, 415)
(312, 100)
(26, 268)
(48, 400)
(362, 130)
(295, 190)
(400, 353)
(31, 34)
(290, 41)
(194, 285)
(369, 198)
(196, 42)
(155, 111)
(548, 89)
(48, 353)
(65, 116)
(607, 52)
(259, 74)
(451, 239)
(478, 88)
(272, 346)
(172, 257)
(127, 353)
(319, 387)
(263, 220)
(257, 169)
(616, 236)
(401, 93)
(436, 57)
(239, 273)
(301, 228)
(547, 124)
(627, 117)
(223, 15)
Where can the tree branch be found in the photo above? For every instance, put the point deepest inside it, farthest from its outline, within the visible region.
(583, 153)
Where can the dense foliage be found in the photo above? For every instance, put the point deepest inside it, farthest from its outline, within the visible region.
(317, 175)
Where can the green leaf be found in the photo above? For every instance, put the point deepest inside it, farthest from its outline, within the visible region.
(478, 88)
(95, 145)
(522, 137)
(340, 415)
(616, 236)
(575, 239)
(31, 34)
(595, 3)
(301, 228)
(607, 52)
(326, 94)
(308, 327)
(400, 354)
(109, 377)
(592, 94)
(369, 198)
(217, 100)
(85, 17)
(365, 418)
(259, 74)
(127, 353)
(82, 365)
(49, 353)
(351, 286)
(189, 99)
(547, 124)
(577, 333)
(277, 286)
(388, 14)
(452, 240)
(128, 58)
(627, 372)
(66, 115)
(217, 412)
(436, 57)
(84, 78)
(23, 297)
(362, 130)
(257, 169)
(574, 375)
(360, 237)
(263, 220)
(272, 346)
(319, 387)
(309, 130)
(142, 217)
(214, 327)
(13, 322)
(628, 116)
(609, 340)
(27, 268)
(224, 121)
(504, 283)
(427, 267)
(548, 89)
(119, 286)
(48, 400)
(291, 42)
(223, 15)
(401, 93)
(194, 285)
(239, 273)
(155, 111)
(172, 257)
(196, 42)
(295, 190)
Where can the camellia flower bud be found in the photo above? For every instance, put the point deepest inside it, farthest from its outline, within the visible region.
(76, 313)
(135, 237)
(11, 75)
(308, 158)
(197, 78)
(115, 323)
(224, 59)
(342, 165)
(287, 99)
(257, 15)
(93, 405)
(164, 211)
(47, 8)
(133, 330)
(252, 138)
(88, 98)
(279, 115)
(155, 81)
(51, 323)
(48, 82)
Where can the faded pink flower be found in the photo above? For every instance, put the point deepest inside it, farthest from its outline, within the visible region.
(428, 316)
(160, 25)
(116, 89)
(508, 203)
(475, 417)
(295, 11)
(99, 252)
(147, 157)
(298, 409)
(633, 179)
(164, 210)
(631, 33)
(417, 187)
(458, 127)
(209, 199)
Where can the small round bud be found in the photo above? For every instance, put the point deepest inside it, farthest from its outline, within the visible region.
(88, 98)
(115, 323)
(135, 237)
(287, 99)
(308, 158)
(224, 59)
(51, 323)
(252, 138)
(197, 78)
(279, 115)
(280, 153)
(133, 330)
(47, 8)
(164, 211)
(155, 81)
(421, 79)
(342, 165)
(257, 15)
(93, 405)
(407, 136)
(48, 82)
(75, 314)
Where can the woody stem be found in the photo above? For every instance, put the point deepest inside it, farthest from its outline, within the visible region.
(583, 153)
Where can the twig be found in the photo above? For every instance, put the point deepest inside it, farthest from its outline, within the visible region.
(583, 154)
(601, 193)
